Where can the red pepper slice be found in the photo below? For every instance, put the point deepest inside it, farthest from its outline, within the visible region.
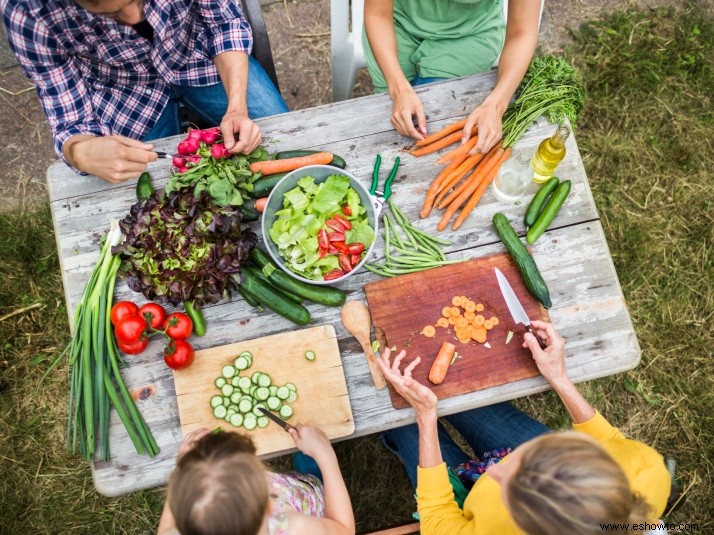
(322, 239)
(343, 221)
(336, 236)
(335, 225)
(340, 246)
(345, 262)
(333, 274)
(355, 248)
(346, 209)
(355, 258)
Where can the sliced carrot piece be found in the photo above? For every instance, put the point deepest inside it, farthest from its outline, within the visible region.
(480, 335)
(429, 331)
(488, 325)
(446, 312)
(479, 307)
(442, 322)
(455, 311)
(469, 315)
(464, 340)
(456, 301)
(461, 322)
(452, 320)
(494, 320)
(478, 320)
(461, 333)
(470, 306)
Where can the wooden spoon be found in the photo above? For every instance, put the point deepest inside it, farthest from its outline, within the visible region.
(356, 319)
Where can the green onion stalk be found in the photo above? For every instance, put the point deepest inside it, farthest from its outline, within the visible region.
(96, 384)
(414, 252)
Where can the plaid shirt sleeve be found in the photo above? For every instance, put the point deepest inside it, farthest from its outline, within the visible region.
(226, 27)
(62, 92)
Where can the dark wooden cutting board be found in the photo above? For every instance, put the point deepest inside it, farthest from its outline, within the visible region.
(402, 306)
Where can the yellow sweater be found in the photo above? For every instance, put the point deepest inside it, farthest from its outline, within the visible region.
(484, 511)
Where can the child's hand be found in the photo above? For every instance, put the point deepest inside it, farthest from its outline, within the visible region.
(311, 441)
(189, 441)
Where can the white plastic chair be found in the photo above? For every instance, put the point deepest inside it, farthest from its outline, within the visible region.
(346, 45)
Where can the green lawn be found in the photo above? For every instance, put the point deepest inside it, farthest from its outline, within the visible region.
(646, 139)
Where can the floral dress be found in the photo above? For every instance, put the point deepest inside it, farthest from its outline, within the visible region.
(293, 491)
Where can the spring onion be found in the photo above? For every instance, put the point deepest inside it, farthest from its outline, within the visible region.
(96, 384)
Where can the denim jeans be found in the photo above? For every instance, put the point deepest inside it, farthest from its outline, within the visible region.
(210, 102)
(484, 429)
(423, 81)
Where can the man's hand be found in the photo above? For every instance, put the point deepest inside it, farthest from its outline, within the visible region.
(488, 118)
(551, 360)
(405, 106)
(240, 134)
(111, 158)
(420, 397)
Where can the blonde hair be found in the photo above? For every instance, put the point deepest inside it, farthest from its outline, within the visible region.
(219, 487)
(567, 483)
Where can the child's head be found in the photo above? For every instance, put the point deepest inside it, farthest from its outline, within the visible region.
(219, 487)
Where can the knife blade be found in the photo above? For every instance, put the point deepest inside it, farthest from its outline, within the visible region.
(277, 420)
(517, 311)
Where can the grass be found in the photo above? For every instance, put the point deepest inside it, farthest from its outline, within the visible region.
(645, 138)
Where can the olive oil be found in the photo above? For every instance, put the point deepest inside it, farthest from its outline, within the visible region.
(549, 154)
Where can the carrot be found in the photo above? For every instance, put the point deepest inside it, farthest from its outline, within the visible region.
(260, 204)
(459, 151)
(271, 167)
(435, 186)
(437, 145)
(455, 312)
(476, 197)
(479, 307)
(490, 155)
(438, 370)
(480, 176)
(457, 175)
(428, 331)
(456, 300)
(458, 125)
(442, 322)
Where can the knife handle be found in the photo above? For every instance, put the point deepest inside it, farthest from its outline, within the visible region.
(541, 343)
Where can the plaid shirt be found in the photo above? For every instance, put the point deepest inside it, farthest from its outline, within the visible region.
(96, 76)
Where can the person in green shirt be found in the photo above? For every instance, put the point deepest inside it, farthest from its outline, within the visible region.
(413, 42)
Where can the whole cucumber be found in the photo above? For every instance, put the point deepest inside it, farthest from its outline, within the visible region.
(264, 185)
(523, 259)
(534, 208)
(271, 299)
(549, 212)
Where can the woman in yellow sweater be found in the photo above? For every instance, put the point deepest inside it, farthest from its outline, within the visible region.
(564, 482)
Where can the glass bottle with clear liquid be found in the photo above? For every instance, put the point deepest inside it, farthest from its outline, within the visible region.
(549, 154)
(513, 178)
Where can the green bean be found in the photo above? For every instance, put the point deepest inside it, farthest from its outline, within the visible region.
(429, 237)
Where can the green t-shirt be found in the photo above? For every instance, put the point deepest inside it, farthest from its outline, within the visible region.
(443, 38)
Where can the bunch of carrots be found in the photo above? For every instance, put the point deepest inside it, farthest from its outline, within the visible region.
(462, 183)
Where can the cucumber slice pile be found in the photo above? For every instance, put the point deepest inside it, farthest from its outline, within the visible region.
(241, 396)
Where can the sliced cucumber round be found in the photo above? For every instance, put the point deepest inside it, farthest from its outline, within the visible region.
(216, 401)
(274, 403)
(263, 421)
(283, 392)
(250, 421)
(220, 382)
(245, 405)
(236, 420)
(310, 355)
(241, 363)
(291, 387)
(220, 412)
(228, 371)
(264, 380)
(286, 411)
(227, 389)
(262, 393)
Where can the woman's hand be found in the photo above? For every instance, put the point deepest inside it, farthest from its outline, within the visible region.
(405, 106)
(312, 441)
(248, 133)
(488, 117)
(420, 397)
(189, 441)
(551, 360)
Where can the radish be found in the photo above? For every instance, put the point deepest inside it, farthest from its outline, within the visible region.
(178, 161)
(183, 148)
(182, 170)
(209, 137)
(192, 144)
(194, 159)
(218, 150)
(194, 134)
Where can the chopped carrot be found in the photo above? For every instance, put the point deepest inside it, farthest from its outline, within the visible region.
(480, 335)
(446, 312)
(469, 315)
(271, 167)
(464, 340)
(442, 322)
(453, 127)
(470, 306)
(455, 311)
(461, 333)
(488, 325)
(452, 320)
(478, 320)
(494, 320)
(441, 363)
(429, 331)
(479, 307)
(461, 322)
(456, 301)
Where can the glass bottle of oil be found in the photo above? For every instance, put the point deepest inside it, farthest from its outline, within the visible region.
(549, 154)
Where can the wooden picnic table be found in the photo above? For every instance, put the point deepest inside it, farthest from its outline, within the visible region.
(588, 310)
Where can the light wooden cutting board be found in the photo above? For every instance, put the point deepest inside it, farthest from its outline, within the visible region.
(321, 388)
(402, 306)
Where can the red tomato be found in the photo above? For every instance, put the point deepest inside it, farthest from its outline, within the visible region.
(178, 354)
(336, 236)
(333, 274)
(130, 330)
(355, 248)
(343, 221)
(322, 239)
(335, 225)
(355, 259)
(346, 209)
(133, 349)
(178, 326)
(121, 309)
(340, 246)
(154, 314)
(345, 262)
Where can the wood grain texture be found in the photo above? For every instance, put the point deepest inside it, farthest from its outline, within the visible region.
(589, 310)
(322, 392)
(402, 306)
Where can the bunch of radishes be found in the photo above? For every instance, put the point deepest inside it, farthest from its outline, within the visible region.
(199, 144)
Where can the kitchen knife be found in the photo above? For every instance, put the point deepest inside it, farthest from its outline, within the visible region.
(161, 154)
(277, 420)
(514, 305)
